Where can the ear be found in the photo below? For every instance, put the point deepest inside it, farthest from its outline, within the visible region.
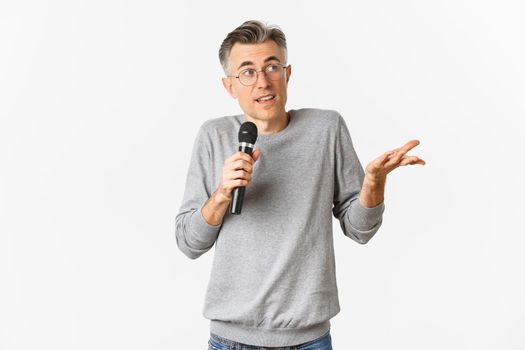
(288, 72)
(228, 85)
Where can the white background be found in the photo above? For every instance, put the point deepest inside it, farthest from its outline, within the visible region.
(100, 102)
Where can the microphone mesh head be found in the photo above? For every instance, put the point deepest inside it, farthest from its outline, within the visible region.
(248, 132)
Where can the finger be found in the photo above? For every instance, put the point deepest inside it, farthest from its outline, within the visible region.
(256, 154)
(409, 145)
(240, 164)
(395, 158)
(240, 174)
(412, 160)
(237, 183)
(385, 157)
(245, 157)
(402, 151)
(391, 153)
(239, 155)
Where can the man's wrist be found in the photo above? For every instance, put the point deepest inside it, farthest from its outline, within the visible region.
(214, 209)
(220, 198)
(372, 191)
(374, 181)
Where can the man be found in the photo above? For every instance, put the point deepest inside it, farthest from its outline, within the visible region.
(273, 276)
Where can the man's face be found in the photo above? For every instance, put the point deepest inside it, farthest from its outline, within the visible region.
(258, 57)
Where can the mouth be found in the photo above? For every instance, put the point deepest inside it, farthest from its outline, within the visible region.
(265, 99)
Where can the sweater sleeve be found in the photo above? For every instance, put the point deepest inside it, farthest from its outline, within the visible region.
(357, 222)
(193, 234)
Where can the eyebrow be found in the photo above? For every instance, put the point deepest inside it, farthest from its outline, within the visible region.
(250, 63)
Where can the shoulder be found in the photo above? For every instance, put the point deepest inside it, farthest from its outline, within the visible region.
(321, 119)
(220, 124)
(215, 127)
(317, 113)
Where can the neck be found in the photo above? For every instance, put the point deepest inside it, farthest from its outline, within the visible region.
(268, 127)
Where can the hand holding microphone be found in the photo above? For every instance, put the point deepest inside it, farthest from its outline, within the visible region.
(237, 169)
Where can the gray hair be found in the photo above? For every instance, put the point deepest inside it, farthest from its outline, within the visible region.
(251, 32)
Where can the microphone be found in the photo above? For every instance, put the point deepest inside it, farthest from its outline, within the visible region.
(247, 138)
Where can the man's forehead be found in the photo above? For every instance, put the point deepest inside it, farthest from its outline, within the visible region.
(255, 53)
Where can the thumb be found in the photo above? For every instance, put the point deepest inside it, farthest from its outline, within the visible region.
(256, 154)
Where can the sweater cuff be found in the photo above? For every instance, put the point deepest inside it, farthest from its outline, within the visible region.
(202, 231)
(363, 218)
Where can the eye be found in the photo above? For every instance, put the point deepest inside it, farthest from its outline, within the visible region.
(248, 73)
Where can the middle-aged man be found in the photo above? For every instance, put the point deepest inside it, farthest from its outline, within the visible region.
(273, 281)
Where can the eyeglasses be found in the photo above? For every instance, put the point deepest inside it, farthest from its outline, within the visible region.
(249, 76)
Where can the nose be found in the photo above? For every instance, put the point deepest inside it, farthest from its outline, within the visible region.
(262, 80)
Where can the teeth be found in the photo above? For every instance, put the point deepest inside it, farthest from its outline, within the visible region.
(265, 98)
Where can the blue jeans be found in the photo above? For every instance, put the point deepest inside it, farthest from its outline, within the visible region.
(218, 343)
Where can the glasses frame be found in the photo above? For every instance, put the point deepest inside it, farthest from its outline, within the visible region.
(258, 71)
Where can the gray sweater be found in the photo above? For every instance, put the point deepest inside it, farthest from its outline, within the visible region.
(273, 280)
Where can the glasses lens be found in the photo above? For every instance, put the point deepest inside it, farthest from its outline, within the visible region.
(248, 76)
(274, 71)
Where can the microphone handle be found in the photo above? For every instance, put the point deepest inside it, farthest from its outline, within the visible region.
(238, 192)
